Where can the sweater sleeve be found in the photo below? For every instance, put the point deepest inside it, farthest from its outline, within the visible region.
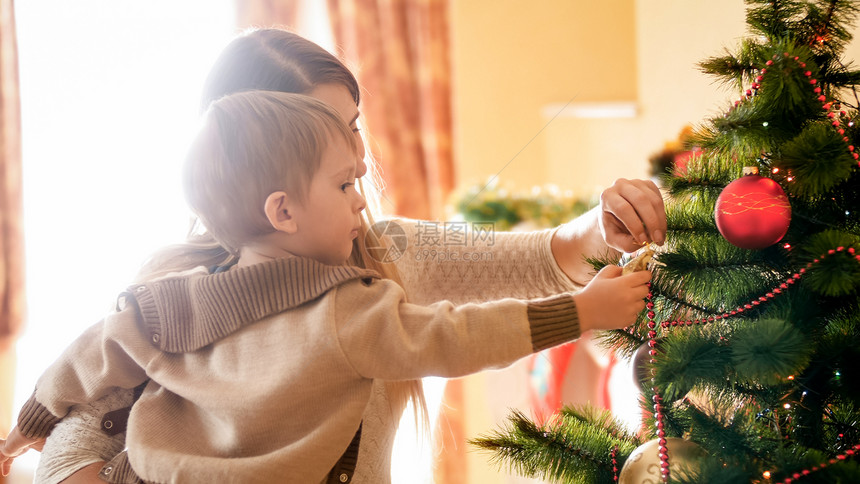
(463, 262)
(382, 336)
(96, 363)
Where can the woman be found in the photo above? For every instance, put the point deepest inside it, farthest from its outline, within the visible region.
(522, 265)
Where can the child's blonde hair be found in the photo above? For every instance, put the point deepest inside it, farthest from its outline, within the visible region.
(252, 144)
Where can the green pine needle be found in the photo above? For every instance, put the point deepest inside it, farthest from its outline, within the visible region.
(817, 158)
(767, 351)
(836, 274)
(576, 447)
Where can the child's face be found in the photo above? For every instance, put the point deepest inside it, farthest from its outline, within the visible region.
(329, 219)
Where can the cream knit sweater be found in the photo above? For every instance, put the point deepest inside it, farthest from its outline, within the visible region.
(266, 433)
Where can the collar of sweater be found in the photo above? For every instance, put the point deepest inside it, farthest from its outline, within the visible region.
(185, 313)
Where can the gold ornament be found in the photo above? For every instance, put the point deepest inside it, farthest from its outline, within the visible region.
(640, 262)
(643, 465)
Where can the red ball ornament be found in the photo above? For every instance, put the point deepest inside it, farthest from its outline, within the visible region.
(753, 212)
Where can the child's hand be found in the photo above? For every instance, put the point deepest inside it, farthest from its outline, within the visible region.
(612, 300)
(14, 445)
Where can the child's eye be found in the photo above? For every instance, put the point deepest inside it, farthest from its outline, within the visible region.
(345, 186)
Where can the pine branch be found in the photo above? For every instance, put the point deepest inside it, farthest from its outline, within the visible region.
(818, 160)
(767, 351)
(576, 447)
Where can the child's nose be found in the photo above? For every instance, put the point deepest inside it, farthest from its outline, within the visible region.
(361, 204)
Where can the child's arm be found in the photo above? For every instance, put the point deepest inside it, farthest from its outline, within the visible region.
(105, 357)
(98, 362)
(382, 336)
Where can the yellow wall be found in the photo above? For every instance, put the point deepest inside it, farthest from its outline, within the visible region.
(510, 58)
(514, 63)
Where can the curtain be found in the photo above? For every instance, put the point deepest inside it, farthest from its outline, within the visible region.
(12, 237)
(399, 52)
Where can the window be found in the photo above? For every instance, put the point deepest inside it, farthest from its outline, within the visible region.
(109, 93)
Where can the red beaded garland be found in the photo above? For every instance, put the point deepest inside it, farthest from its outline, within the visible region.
(614, 456)
(658, 408)
(823, 465)
(663, 450)
(826, 106)
(767, 297)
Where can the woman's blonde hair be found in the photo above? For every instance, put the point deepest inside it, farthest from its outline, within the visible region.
(278, 60)
(252, 144)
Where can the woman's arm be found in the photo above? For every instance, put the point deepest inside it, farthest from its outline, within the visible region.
(470, 262)
(87, 475)
(574, 241)
(466, 262)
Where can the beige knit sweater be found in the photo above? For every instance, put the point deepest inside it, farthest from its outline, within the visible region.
(306, 367)
(490, 265)
(509, 265)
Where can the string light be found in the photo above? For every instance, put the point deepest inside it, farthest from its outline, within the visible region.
(658, 407)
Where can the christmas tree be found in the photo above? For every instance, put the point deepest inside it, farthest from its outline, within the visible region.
(748, 354)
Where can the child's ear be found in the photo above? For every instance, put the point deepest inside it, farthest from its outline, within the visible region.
(279, 212)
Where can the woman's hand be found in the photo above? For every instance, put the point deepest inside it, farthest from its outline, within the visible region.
(632, 215)
(14, 445)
